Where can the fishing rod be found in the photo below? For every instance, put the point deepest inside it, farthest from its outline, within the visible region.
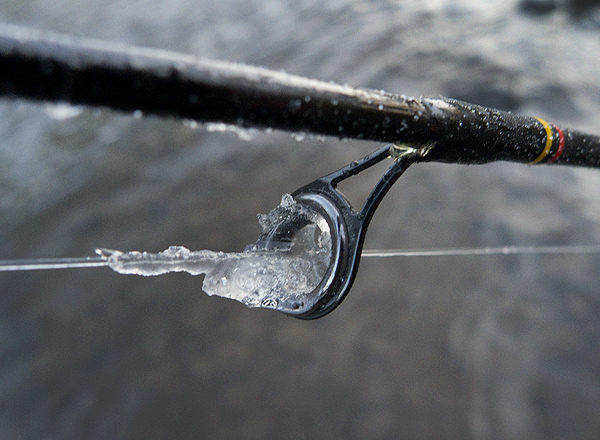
(57, 68)
(50, 67)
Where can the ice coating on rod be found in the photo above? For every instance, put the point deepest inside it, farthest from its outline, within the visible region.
(278, 271)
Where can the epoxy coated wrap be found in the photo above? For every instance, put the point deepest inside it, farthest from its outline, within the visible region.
(471, 134)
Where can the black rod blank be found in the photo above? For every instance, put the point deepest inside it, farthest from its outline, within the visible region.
(50, 67)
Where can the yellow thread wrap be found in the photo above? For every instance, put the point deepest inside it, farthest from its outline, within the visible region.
(548, 146)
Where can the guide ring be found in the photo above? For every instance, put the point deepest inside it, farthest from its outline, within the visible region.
(347, 226)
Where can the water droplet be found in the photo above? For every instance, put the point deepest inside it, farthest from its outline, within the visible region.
(294, 105)
(299, 136)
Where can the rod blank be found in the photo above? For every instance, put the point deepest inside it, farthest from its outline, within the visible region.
(51, 67)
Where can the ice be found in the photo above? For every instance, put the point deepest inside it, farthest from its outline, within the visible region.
(174, 259)
(62, 111)
(279, 271)
(244, 134)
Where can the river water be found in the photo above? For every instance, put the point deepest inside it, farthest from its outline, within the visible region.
(453, 347)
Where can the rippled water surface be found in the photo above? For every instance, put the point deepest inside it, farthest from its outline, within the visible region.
(453, 347)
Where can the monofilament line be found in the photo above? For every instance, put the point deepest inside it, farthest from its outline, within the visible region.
(73, 263)
(504, 250)
(51, 263)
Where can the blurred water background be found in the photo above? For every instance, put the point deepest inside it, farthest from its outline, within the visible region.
(457, 347)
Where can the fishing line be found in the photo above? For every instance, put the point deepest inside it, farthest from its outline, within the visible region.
(83, 262)
(504, 250)
(51, 263)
